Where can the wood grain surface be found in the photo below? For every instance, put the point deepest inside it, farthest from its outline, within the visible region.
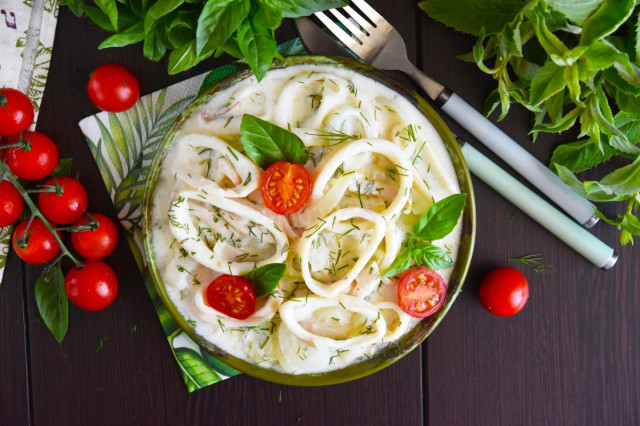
(571, 357)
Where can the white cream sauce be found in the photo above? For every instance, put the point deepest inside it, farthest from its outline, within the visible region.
(377, 165)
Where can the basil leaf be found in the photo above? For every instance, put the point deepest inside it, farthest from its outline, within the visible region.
(265, 143)
(297, 8)
(266, 278)
(131, 35)
(52, 301)
(257, 45)
(605, 20)
(431, 256)
(441, 218)
(110, 8)
(183, 58)
(99, 18)
(153, 48)
(159, 9)
(588, 190)
(402, 263)
(217, 22)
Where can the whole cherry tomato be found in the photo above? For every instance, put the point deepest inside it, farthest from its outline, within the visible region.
(11, 203)
(232, 295)
(421, 292)
(16, 112)
(36, 160)
(504, 292)
(92, 287)
(66, 204)
(113, 88)
(285, 187)
(98, 243)
(37, 245)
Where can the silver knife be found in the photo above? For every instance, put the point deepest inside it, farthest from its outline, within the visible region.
(572, 234)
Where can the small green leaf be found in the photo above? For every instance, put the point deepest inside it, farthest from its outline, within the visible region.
(548, 81)
(266, 278)
(110, 8)
(560, 125)
(218, 21)
(265, 143)
(402, 263)
(64, 167)
(441, 218)
(257, 45)
(52, 301)
(159, 9)
(431, 256)
(298, 8)
(606, 19)
(581, 155)
(131, 35)
(623, 181)
(549, 41)
(576, 10)
(183, 58)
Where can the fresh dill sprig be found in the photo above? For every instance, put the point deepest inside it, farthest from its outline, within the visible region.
(335, 137)
(534, 261)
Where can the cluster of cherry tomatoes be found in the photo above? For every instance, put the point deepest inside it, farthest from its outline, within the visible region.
(61, 206)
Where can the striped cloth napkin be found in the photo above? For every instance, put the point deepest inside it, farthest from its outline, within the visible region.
(27, 29)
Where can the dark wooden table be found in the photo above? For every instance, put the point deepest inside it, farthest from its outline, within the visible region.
(571, 357)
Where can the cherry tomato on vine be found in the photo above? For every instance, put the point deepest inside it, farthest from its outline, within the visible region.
(66, 204)
(37, 245)
(98, 243)
(11, 203)
(232, 295)
(91, 287)
(16, 112)
(113, 88)
(504, 292)
(36, 160)
(421, 292)
(285, 187)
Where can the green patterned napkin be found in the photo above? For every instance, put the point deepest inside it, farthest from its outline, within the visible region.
(27, 29)
(124, 145)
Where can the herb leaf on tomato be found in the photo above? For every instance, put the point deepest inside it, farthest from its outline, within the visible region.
(265, 278)
(52, 302)
(441, 218)
(265, 143)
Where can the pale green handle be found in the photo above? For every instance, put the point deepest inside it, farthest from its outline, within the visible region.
(538, 209)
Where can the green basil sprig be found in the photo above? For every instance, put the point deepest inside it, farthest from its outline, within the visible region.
(52, 301)
(435, 223)
(265, 143)
(195, 30)
(569, 63)
(265, 278)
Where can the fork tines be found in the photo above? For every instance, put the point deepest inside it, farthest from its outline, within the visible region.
(357, 31)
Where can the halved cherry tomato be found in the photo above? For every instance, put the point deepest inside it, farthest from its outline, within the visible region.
(421, 292)
(65, 205)
(91, 287)
(37, 245)
(98, 243)
(16, 112)
(232, 295)
(113, 88)
(11, 203)
(34, 161)
(504, 292)
(285, 187)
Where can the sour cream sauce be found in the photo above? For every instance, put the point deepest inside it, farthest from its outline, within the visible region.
(377, 165)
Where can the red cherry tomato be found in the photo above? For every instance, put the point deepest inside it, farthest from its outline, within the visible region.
(67, 204)
(285, 187)
(98, 243)
(16, 112)
(92, 287)
(113, 88)
(37, 245)
(421, 292)
(11, 203)
(36, 160)
(504, 292)
(232, 295)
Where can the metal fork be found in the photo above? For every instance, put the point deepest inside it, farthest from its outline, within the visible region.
(378, 43)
